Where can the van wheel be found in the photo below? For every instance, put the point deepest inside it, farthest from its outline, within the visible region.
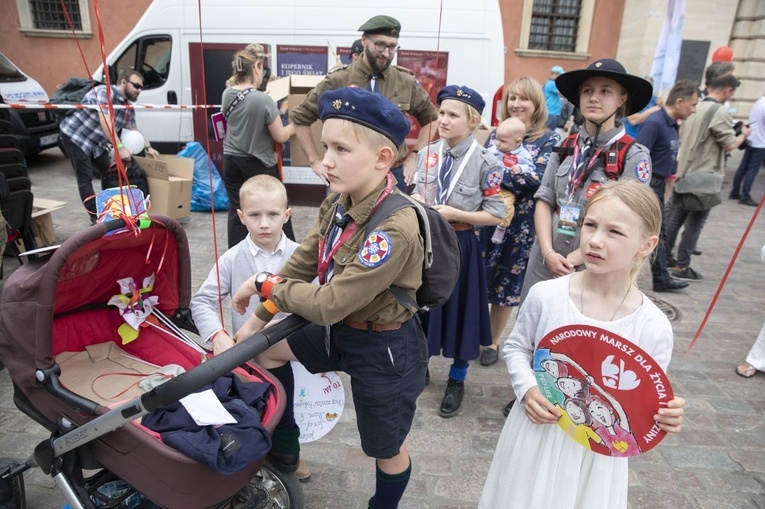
(12, 491)
(272, 489)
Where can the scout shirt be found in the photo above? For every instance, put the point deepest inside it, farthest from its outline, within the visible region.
(396, 83)
(477, 186)
(554, 189)
(359, 286)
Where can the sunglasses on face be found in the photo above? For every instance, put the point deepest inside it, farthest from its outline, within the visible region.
(137, 86)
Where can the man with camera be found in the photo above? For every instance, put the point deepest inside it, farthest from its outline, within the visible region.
(704, 139)
(754, 155)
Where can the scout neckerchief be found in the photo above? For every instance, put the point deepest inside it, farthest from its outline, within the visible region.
(581, 171)
(339, 232)
(570, 211)
(443, 197)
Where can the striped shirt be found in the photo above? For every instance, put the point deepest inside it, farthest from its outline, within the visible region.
(84, 128)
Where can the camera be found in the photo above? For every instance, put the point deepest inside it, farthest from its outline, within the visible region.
(737, 127)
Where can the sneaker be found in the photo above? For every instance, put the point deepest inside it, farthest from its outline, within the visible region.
(748, 201)
(686, 274)
(303, 471)
(669, 286)
(489, 356)
(452, 401)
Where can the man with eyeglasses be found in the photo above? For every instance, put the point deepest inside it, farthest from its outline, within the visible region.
(373, 71)
(84, 133)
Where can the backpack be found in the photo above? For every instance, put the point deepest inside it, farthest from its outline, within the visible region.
(623, 145)
(72, 92)
(441, 264)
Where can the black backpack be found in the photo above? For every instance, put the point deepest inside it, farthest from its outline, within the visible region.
(72, 92)
(441, 265)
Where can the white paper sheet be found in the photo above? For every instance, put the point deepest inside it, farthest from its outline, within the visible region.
(206, 409)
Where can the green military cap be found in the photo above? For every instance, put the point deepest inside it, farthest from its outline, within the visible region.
(383, 25)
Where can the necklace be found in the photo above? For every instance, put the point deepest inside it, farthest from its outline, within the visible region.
(581, 299)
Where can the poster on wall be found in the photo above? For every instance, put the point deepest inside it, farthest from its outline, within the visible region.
(301, 60)
(606, 388)
(429, 67)
(344, 52)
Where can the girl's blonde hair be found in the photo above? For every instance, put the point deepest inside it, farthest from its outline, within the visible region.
(641, 199)
(473, 115)
(528, 88)
(244, 62)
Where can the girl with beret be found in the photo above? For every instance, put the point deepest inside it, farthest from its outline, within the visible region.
(461, 180)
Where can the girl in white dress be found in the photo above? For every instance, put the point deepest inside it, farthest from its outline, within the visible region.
(536, 465)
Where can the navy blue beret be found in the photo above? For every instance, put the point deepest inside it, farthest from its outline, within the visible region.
(464, 94)
(363, 107)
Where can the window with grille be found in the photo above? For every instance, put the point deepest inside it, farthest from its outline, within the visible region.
(555, 25)
(49, 17)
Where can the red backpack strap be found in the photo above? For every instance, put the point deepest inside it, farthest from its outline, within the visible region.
(566, 148)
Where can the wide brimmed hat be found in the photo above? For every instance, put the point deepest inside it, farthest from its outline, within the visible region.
(639, 89)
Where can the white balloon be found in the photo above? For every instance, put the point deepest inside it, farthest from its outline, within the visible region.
(132, 140)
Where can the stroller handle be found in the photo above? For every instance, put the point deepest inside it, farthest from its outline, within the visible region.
(209, 371)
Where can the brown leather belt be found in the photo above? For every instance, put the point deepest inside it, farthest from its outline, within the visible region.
(375, 327)
(461, 227)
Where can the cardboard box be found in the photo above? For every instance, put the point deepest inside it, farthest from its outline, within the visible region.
(294, 89)
(482, 134)
(42, 218)
(170, 179)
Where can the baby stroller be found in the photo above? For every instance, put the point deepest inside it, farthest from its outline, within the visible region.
(56, 306)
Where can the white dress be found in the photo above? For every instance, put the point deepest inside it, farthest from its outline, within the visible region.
(537, 466)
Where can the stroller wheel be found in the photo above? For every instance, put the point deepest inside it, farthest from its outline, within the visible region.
(12, 491)
(272, 489)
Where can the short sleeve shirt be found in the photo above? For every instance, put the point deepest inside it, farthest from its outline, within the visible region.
(247, 131)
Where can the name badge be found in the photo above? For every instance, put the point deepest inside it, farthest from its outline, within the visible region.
(568, 219)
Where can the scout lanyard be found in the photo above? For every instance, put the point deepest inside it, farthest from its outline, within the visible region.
(583, 171)
(332, 242)
(461, 168)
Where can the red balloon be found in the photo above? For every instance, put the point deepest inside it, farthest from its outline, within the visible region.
(723, 54)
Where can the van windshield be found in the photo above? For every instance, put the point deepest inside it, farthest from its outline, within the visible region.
(9, 72)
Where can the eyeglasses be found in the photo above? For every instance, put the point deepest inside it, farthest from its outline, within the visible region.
(381, 47)
(137, 86)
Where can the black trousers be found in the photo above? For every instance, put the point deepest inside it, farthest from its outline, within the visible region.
(236, 170)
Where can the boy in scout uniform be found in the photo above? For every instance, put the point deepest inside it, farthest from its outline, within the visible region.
(358, 326)
(374, 72)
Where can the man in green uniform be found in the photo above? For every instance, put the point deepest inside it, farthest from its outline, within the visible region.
(374, 72)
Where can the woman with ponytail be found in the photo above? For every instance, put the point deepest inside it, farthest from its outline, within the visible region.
(254, 125)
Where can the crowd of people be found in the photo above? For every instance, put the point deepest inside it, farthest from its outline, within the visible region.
(555, 225)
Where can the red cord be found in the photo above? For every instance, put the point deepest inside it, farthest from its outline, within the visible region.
(725, 276)
(209, 162)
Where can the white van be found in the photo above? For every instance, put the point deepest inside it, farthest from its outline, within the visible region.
(34, 129)
(179, 68)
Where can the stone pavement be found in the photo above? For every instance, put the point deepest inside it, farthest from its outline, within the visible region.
(717, 462)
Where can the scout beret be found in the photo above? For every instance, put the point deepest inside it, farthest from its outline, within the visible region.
(464, 94)
(383, 25)
(638, 89)
(371, 110)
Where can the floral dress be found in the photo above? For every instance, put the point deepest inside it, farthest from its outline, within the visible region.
(506, 262)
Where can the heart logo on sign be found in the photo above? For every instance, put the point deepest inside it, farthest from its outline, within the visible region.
(618, 377)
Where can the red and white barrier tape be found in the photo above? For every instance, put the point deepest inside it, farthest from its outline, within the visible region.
(46, 106)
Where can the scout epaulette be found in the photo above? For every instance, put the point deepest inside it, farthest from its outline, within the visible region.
(613, 158)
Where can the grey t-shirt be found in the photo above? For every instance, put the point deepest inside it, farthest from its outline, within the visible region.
(247, 127)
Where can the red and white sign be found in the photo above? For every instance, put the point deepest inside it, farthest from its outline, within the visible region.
(607, 389)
